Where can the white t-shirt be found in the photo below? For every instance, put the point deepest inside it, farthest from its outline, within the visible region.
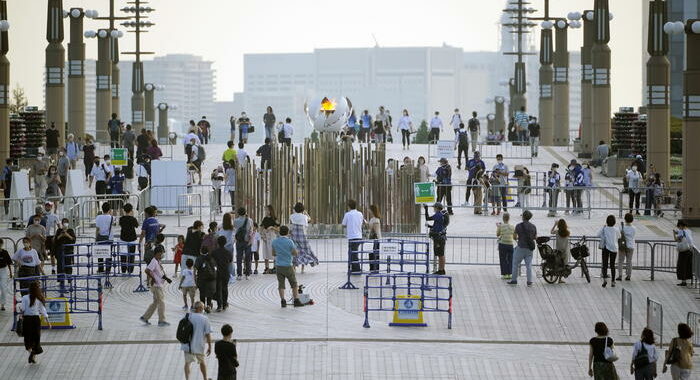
(27, 258)
(103, 222)
(353, 220)
(188, 276)
(255, 244)
(455, 121)
(201, 329)
(630, 233)
(28, 309)
(288, 130)
(299, 218)
(51, 223)
(242, 157)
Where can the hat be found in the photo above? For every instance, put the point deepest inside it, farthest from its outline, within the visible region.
(443, 159)
(573, 161)
(555, 165)
(438, 205)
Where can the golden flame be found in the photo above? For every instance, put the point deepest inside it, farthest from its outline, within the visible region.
(327, 105)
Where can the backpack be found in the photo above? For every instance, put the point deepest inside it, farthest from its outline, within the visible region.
(463, 138)
(185, 330)
(207, 272)
(113, 126)
(241, 233)
(473, 125)
(201, 153)
(642, 358)
(446, 219)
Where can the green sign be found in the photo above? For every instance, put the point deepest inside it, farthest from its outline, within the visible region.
(425, 192)
(120, 157)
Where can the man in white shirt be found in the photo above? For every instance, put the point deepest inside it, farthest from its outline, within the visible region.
(52, 222)
(456, 121)
(194, 351)
(101, 173)
(242, 155)
(156, 278)
(435, 127)
(103, 232)
(353, 221)
(288, 130)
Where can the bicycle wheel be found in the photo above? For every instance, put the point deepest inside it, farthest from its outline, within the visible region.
(549, 275)
(584, 270)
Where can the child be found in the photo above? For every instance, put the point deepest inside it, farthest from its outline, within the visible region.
(187, 285)
(160, 238)
(226, 354)
(5, 276)
(178, 252)
(255, 246)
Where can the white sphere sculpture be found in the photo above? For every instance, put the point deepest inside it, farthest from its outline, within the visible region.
(328, 114)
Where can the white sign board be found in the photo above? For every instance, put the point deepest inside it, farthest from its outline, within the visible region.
(445, 149)
(102, 251)
(21, 210)
(389, 249)
(75, 187)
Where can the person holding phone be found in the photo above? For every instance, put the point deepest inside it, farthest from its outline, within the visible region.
(684, 244)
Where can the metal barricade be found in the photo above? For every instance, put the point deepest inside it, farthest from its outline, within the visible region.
(655, 319)
(113, 259)
(693, 321)
(184, 202)
(626, 312)
(9, 245)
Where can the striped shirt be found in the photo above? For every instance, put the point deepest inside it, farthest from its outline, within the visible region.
(522, 119)
(505, 233)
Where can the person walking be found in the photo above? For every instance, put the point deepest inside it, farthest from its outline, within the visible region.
(225, 350)
(455, 121)
(128, 225)
(265, 154)
(375, 233)
(227, 231)
(644, 357)
(205, 276)
(285, 250)
(232, 123)
(534, 129)
(522, 119)
(626, 247)
(230, 182)
(156, 278)
(244, 125)
(598, 365)
(193, 241)
(114, 126)
(270, 230)
(205, 129)
(561, 233)
(438, 233)
(201, 333)
(443, 178)
(353, 221)
(223, 258)
(27, 259)
(609, 236)
(72, 150)
(684, 245)
(300, 221)
(243, 226)
(474, 130)
(38, 171)
(31, 309)
(150, 228)
(505, 232)
(52, 136)
(5, 275)
(462, 146)
(37, 235)
(423, 170)
(553, 186)
(269, 121)
(129, 140)
(62, 167)
(682, 360)
(435, 128)
(187, 284)
(365, 125)
(525, 234)
(405, 127)
(476, 168)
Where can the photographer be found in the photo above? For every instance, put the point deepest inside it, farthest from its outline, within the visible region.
(156, 277)
(438, 233)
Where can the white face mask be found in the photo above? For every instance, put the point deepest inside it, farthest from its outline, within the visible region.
(107, 162)
(634, 168)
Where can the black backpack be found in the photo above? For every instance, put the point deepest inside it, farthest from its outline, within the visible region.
(242, 232)
(445, 219)
(642, 358)
(185, 330)
(201, 153)
(463, 138)
(473, 124)
(207, 271)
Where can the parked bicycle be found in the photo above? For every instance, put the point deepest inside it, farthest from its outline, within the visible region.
(553, 265)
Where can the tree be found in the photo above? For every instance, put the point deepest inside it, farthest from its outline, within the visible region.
(423, 134)
(19, 100)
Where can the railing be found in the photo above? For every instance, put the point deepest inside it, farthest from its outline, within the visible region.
(514, 150)
(655, 319)
(184, 204)
(626, 310)
(694, 323)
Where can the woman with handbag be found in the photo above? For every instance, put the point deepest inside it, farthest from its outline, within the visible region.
(561, 242)
(679, 354)
(31, 309)
(626, 245)
(644, 357)
(684, 245)
(602, 355)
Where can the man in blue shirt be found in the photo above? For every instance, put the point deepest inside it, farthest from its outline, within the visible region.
(283, 249)
(501, 171)
(579, 182)
(366, 125)
(149, 230)
(476, 167)
(438, 233)
(443, 176)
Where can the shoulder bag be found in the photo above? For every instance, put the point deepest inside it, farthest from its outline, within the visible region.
(673, 354)
(608, 352)
(683, 244)
(622, 241)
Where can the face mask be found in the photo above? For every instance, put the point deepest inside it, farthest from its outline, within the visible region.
(37, 222)
(634, 168)
(66, 225)
(60, 153)
(500, 161)
(107, 162)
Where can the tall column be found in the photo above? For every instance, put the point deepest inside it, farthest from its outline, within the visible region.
(600, 56)
(137, 100)
(4, 85)
(561, 84)
(511, 94)
(115, 73)
(519, 87)
(149, 103)
(162, 122)
(691, 124)
(500, 114)
(587, 139)
(658, 94)
(76, 74)
(546, 116)
(55, 62)
(103, 98)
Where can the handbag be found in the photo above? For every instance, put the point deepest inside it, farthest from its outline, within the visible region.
(642, 358)
(19, 328)
(673, 354)
(622, 241)
(251, 129)
(683, 244)
(608, 353)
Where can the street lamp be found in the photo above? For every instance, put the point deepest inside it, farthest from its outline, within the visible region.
(587, 141)
(4, 85)
(520, 26)
(600, 58)
(691, 118)
(163, 127)
(561, 81)
(76, 71)
(546, 108)
(149, 102)
(103, 98)
(55, 62)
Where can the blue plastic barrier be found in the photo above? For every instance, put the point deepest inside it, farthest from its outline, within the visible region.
(85, 260)
(435, 292)
(387, 255)
(83, 294)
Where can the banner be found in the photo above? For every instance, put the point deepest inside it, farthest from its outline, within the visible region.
(425, 192)
(445, 149)
(120, 157)
(59, 314)
(408, 311)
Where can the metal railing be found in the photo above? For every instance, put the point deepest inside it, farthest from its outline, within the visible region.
(694, 323)
(655, 319)
(626, 310)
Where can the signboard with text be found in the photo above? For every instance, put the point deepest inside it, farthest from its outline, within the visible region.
(120, 157)
(425, 192)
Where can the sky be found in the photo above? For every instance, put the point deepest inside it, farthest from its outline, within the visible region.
(223, 31)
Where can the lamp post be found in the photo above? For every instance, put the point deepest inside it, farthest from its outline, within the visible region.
(561, 81)
(103, 98)
(163, 128)
(4, 85)
(520, 26)
(76, 71)
(600, 58)
(500, 114)
(150, 111)
(546, 116)
(691, 118)
(55, 62)
(587, 141)
(658, 92)
(511, 94)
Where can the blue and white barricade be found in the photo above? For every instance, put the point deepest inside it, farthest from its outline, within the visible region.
(408, 296)
(65, 295)
(387, 256)
(109, 259)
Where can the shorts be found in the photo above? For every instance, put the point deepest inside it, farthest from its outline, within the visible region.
(190, 291)
(49, 245)
(198, 164)
(286, 273)
(191, 358)
(256, 256)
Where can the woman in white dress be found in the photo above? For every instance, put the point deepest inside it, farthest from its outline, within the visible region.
(300, 220)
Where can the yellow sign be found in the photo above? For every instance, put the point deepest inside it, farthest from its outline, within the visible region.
(408, 311)
(59, 313)
(424, 192)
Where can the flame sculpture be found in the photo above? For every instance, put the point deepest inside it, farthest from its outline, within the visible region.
(328, 114)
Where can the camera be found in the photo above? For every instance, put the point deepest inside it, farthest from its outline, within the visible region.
(166, 279)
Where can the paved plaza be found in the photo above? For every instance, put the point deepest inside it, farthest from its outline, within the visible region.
(498, 331)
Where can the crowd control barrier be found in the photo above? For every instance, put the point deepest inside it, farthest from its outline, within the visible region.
(626, 313)
(106, 259)
(394, 255)
(655, 319)
(65, 294)
(398, 293)
(694, 323)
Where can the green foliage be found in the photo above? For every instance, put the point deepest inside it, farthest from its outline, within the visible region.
(19, 99)
(422, 134)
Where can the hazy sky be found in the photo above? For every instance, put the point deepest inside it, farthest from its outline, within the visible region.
(223, 30)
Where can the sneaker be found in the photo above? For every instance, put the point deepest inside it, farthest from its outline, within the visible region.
(619, 278)
(529, 284)
(612, 284)
(185, 308)
(682, 284)
(255, 271)
(509, 276)
(298, 303)
(144, 320)
(218, 309)
(207, 309)
(627, 278)
(163, 324)
(239, 277)
(512, 283)
(284, 303)
(605, 283)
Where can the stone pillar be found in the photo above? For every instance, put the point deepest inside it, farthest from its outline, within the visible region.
(520, 87)
(600, 56)
(491, 123)
(587, 140)
(658, 92)
(115, 75)
(149, 105)
(137, 100)
(561, 84)
(103, 97)
(691, 124)
(511, 94)
(4, 88)
(55, 63)
(500, 114)
(76, 74)
(163, 128)
(546, 116)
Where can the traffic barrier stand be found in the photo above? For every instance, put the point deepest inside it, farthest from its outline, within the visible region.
(626, 313)
(112, 259)
(408, 296)
(655, 319)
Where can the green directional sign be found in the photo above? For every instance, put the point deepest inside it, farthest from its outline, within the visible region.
(120, 157)
(425, 192)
